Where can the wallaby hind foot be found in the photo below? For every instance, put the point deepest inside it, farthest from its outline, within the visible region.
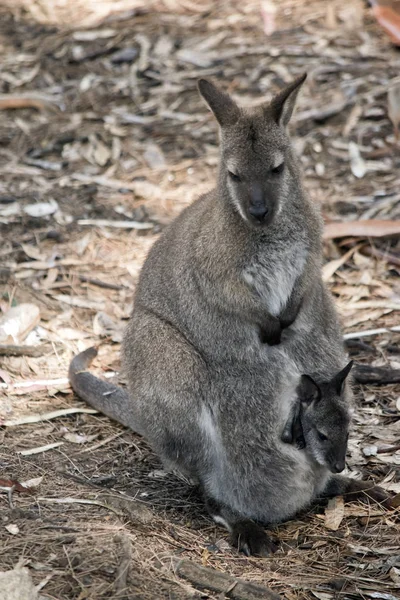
(245, 535)
(250, 538)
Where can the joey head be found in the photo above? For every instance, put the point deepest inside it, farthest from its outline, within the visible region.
(320, 419)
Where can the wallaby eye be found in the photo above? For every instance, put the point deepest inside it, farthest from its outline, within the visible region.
(322, 436)
(233, 176)
(278, 169)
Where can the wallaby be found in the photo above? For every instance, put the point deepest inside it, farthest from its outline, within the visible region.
(319, 420)
(240, 266)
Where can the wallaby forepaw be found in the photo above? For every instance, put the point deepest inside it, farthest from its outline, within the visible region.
(367, 491)
(378, 494)
(251, 539)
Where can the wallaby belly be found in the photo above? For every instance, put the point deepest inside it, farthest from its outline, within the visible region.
(248, 467)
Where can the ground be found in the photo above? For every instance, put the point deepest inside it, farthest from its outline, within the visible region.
(113, 130)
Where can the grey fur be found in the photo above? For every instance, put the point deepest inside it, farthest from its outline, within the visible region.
(320, 419)
(209, 396)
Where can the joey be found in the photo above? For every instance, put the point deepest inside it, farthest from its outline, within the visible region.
(319, 420)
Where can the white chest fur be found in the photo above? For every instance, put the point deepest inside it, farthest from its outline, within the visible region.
(273, 278)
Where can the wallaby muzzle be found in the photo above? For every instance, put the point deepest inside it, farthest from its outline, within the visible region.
(260, 208)
(337, 462)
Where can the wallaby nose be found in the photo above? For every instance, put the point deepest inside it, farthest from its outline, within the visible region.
(338, 467)
(259, 212)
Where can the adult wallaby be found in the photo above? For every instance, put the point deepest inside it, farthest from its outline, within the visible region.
(237, 268)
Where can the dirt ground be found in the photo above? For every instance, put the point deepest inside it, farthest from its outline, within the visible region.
(105, 127)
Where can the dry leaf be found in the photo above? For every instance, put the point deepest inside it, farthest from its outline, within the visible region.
(18, 322)
(17, 585)
(394, 575)
(357, 163)
(41, 209)
(334, 513)
(331, 267)
(268, 14)
(371, 228)
(32, 483)
(154, 157)
(76, 438)
(395, 502)
(101, 153)
(12, 528)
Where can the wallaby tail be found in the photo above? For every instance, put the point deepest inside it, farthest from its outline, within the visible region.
(105, 397)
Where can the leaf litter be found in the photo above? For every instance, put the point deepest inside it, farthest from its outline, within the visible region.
(104, 141)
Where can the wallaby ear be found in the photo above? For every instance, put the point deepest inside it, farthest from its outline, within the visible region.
(282, 104)
(226, 111)
(340, 378)
(308, 391)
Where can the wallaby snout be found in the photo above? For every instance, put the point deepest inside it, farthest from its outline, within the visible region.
(338, 467)
(258, 206)
(336, 458)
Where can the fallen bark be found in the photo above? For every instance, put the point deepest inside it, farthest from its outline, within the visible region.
(376, 375)
(216, 581)
(15, 350)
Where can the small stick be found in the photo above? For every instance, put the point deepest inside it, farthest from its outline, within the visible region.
(40, 449)
(359, 334)
(9, 101)
(14, 350)
(386, 256)
(377, 375)
(120, 583)
(102, 284)
(46, 416)
(216, 581)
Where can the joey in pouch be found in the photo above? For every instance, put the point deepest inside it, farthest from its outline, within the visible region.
(209, 397)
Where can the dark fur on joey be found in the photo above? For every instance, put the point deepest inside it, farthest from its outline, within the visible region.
(319, 420)
(206, 394)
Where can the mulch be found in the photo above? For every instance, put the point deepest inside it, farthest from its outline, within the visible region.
(103, 140)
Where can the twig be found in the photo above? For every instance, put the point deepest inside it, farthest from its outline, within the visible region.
(386, 256)
(40, 449)
(359, 334)
(358, 345)
(211, 579)
(27, 384)
(78, 501)
(46, 416)
(117, 224)
(13, 350)
(37, 101)
(377, 375)
(102, 443)
(120, 583)
(102, 284)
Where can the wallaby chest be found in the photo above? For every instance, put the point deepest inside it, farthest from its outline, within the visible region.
(272, 275)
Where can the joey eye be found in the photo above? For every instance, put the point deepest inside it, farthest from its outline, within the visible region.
(278, 169)
(322, 436)
(233, 176)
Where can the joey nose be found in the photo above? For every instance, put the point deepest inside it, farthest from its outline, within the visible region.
(338, 467)
(258, 212)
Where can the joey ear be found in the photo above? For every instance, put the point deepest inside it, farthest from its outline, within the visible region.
(308, 391)
(225, 110)
(340, 378)
(282, 104)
